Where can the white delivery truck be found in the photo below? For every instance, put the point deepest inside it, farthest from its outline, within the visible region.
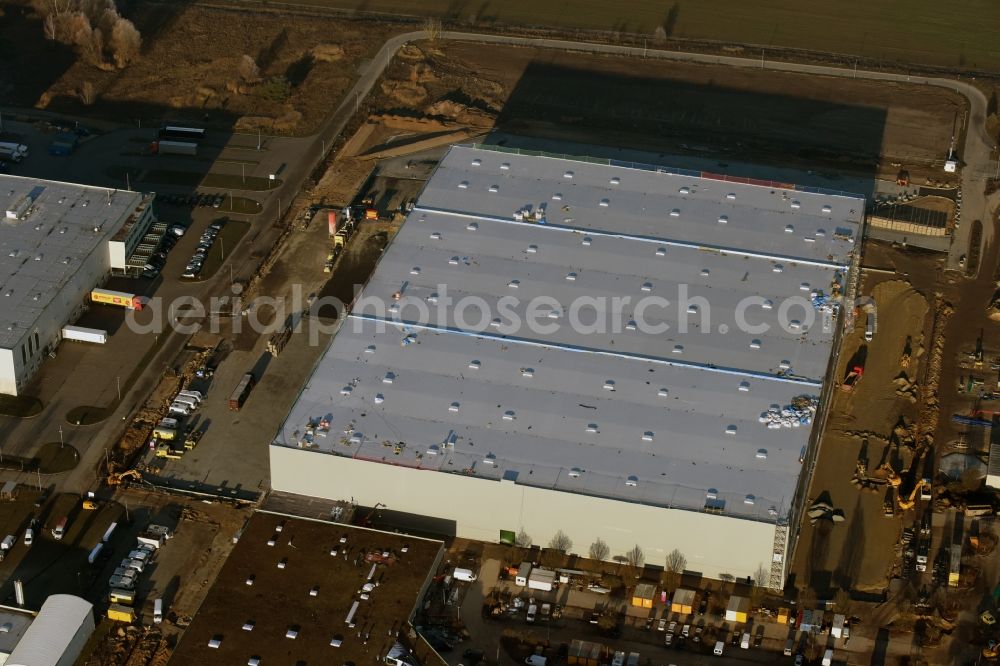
(18, 149)
(157, 611)
(828, 658)
(870, 327)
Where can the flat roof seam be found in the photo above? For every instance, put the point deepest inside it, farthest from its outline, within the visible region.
(635, 237)
(736, 372)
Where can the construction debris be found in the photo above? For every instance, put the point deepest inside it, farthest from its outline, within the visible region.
(799, 413)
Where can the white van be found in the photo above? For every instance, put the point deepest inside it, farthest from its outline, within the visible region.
(828, 658)
(197, 395)
(745, 641)
(535, 660)
(158, 611)
(179, 408)
(464, 574)
(789, 647)
(29, 536)
(719, 647)
(186, 400)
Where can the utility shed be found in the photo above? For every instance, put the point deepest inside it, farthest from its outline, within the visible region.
(57, 635)
(683, 602)
(542, 579)
(738, 609)
(643, 595)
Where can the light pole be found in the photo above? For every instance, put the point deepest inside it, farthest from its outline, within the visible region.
(61, 442)
(118, 382)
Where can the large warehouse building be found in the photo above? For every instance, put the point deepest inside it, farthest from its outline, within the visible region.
(512, 367)
(57, 242)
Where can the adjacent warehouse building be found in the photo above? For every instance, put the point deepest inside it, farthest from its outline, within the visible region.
(57, 634)
(618, 351)
(57, 242)
(312, 592)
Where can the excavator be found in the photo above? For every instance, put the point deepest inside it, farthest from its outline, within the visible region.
(906, 504)
(118, 478)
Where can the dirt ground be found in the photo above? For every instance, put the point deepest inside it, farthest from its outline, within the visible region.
(814, 122)
(189, 67)
(856, 554)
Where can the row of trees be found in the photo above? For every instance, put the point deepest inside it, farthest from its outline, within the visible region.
(100, 35)
(675, 563)
(599, 550)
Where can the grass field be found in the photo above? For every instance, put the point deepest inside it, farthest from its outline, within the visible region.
(918, 31)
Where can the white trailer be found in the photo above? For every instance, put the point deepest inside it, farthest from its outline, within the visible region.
(177, 148)
(83, 334)
(16, 148)
(523, 572)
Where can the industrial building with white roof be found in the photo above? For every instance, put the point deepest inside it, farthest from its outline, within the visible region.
(57, 242)
(659, 423)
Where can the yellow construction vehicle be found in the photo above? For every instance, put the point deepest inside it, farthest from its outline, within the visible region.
(118, 478)
(905, 504)
(890, 474)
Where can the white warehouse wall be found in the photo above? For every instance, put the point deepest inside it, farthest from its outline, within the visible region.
(713, 544)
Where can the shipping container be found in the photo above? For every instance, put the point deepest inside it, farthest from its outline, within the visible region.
(176, 148)
(523, 572)
(542, 579)
(121, 613)
(126, 300)
(83, 334)
(95, 553)
(179, 133)
(119, 596)
(14, 148)
(240, 393)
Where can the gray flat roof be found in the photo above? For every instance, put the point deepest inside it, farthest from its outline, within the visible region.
(667, 417)
(47, 232)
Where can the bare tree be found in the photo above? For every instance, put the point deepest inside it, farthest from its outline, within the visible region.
(523, 539)
(248, 69)
(676, 562)
(761, 576)
(432, 29)
(599, 550)
(660, 34)
(635, 557)
(49, 26)
(561, 542)
(125, 42)
(87, 93)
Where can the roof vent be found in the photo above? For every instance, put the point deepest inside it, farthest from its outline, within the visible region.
(347, 390)
(514, 284)
(662, 393)
(475, 365)
(616, 181)
(528, 372)
(454, 261)
(761, 454)
(464, 185)
(568, 174)
(505, 166)
(820, 233)
(532, 249)
(379, 398)
(14, 253)
(631, 325)
(63, 230)
(571, 277)
(796, 205)
(647, 286)
(38, 257)
(632, 481)
(477, 162)
(777, 268)
(490, 460)
(730, 430)
(723, 219)
(827, 209)
(661, 251)
(508, 415)
(592, 427)
(415, 270)
(454, 407)
(604, 203)
(215, 642)
(692, 309)
(684, 190)
(370, 349)
(767, 304)
(755, 344)
(389, 378)
(785, 365)
(292, 633)
(494, 188)
(283, 563)
(705, 272)
(731, 196)
(609, 385)
(433, 297)
(472, 226)
(314, 591)
(678, 349)
(575, 473)
(789, 228)
(250, 580)
(676, 212)
(749, 500)
(804, 286)
(647, 436)
(436, 235)
(712, 494)
(248, 625)
(587, 241)
(744, 386)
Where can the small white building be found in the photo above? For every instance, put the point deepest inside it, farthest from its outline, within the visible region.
(57, 635)
(57, 242)
(993, 467)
